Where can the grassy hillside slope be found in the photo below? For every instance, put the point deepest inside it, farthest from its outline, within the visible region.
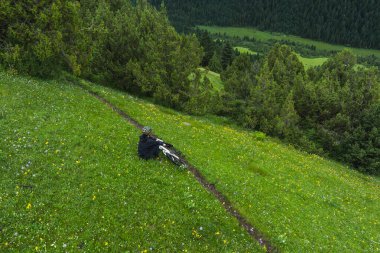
(303, 203)
(71, 181)
(260, 35)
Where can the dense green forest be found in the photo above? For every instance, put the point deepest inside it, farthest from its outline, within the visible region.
(333, 110)
(351, 22)
(131, 46)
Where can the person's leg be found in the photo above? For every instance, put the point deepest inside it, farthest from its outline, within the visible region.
(156, 152)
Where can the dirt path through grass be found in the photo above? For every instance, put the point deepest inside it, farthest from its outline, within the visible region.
(254, 233)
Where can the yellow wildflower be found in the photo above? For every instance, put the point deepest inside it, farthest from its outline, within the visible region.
(29, 206)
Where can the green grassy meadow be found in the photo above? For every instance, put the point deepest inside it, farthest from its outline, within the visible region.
(260, 35)
(245, 50)
(312, 62)
(307, 62)
(213, 77)
(301, 202)
(71, 180)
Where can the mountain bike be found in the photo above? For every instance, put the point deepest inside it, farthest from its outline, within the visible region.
(173, 155)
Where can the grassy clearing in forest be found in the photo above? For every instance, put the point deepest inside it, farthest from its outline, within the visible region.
(307, 62)
(244, 50)
(312, 62)
(71, 180)
(260, 35)
(302, 202)
(213, 77)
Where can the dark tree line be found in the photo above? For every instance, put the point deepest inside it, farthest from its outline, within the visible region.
(350, 22)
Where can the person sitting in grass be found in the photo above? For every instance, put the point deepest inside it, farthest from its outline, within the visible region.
(148, 147)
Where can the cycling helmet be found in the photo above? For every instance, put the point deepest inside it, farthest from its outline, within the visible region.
(146, 130)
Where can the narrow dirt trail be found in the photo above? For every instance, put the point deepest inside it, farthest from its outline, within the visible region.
(253, 232)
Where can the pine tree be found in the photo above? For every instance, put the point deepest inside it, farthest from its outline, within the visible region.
(227, 56)
(215, 64)
(201, 98)
(287, 124)
(208, 47)
(41, 39)
(271, 102)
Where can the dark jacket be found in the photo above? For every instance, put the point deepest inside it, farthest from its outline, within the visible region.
(148, 147)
